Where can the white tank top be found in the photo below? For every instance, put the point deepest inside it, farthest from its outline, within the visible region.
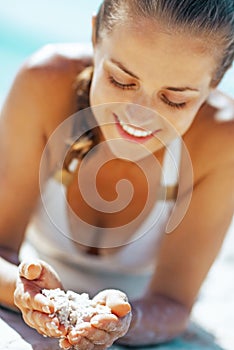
(130, 269)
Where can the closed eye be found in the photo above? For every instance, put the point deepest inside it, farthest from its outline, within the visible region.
(120, 85)
(172, 104)
(132, 86)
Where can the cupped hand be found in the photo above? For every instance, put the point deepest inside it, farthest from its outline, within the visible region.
(102, 329)
(35, 307)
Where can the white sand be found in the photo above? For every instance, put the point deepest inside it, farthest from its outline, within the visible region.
(72, 308)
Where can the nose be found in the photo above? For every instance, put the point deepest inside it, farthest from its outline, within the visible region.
(140, 112)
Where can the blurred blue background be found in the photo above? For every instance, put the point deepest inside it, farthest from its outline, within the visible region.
(26, 25)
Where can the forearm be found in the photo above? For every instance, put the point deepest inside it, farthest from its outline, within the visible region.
(156, 319)
(8, 275)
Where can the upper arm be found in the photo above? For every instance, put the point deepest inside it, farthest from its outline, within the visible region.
(188, 252)
(21, 144)
(40, 98)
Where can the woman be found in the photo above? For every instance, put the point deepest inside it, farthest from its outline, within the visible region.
(154, 67)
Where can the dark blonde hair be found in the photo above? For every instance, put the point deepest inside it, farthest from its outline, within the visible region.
(212, 18)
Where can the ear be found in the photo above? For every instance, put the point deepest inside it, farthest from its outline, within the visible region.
(94, 38)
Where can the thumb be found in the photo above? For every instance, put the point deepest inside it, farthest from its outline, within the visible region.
(116, 300)
(30, 270)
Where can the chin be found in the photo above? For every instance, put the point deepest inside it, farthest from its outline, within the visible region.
(129, 151)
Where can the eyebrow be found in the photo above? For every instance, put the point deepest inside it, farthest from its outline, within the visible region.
(126, 70)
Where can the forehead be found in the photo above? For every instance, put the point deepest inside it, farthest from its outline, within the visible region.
(150, 48)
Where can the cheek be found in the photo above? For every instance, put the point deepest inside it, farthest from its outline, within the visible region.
(185, 119)
(100, 91)
(185, 125)
(181, 122)
(96, 91)
(103, 92)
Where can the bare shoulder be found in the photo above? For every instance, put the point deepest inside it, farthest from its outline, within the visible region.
(210, 140)
(57, 65)
(60, 58)
(42, 96)
(46, 81)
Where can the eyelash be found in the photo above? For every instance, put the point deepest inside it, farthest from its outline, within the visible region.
(119, 85)
(130, 86)
(172, 104)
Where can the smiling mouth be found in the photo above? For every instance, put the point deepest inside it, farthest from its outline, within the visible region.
(135, 131)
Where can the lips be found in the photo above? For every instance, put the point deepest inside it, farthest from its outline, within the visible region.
(134, 133)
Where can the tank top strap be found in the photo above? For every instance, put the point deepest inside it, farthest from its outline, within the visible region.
(170, 169)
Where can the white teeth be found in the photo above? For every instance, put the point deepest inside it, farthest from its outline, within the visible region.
(134, 132)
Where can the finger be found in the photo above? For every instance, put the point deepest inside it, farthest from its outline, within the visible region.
(47, 325)
(64, 343)
(118, 307)
(80, 342)
(95, 335)
(30, 322)
(30, 270)
(116, 300)
(23, 295)
(32, 299)
(117, 328)
(39, 302)
(105, 322)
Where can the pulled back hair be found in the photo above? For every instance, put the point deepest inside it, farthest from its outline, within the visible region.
(213, 19)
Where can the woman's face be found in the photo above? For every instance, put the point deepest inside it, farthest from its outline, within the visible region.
(150, 84)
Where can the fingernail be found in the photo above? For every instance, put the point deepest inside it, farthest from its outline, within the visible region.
(75, 338)
(54, 325)
(42, 330)
(51, 326)
(57, 332)
(46, 309)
